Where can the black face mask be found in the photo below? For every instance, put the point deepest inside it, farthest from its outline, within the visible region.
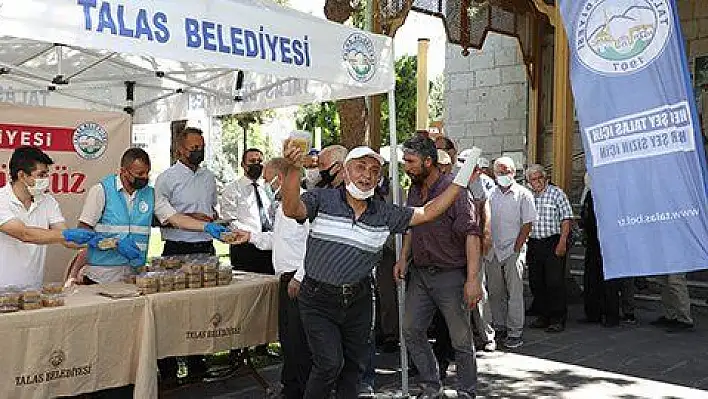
(254, 171)
(139, 182)
(196, 157)
(327, 177)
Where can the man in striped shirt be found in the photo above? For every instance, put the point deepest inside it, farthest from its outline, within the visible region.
(347, 235)
(546, 250)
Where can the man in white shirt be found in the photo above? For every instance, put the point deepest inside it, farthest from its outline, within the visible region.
(190, 190)
(287, 241)
(512, 213)
(129, 181)
(29, 219)
(245, 202)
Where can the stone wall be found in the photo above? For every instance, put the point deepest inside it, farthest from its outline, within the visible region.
(486, 97)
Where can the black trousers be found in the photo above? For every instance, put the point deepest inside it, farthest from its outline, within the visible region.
(195, 364)
(337, 323)
(547, 276)
(602, 297)
(297, 360)
(248, 258)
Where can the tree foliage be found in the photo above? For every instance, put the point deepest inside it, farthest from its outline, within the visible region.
(406, 91)
(233, 128)
(436, 102)
(324, 115)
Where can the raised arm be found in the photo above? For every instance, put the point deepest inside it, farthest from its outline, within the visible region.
(293, 207)
(437, 206)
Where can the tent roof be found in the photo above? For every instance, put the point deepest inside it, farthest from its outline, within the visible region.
(187, 56)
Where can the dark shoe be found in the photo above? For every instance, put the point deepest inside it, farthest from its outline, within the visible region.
(629, 320)
(443, 365)
(679, 326)
(540, 322)
(611, 323)
(532, 312)
(366, 391)
(663, 321)
(513, 342)
(555, 328)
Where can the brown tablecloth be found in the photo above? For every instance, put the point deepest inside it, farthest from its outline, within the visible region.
(90, 344)
(239, 315)
(96, 343)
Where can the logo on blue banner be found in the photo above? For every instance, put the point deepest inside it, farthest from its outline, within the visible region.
(622, 36)
(640, 131)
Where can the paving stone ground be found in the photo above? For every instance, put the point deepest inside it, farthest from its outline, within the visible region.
(585, 361)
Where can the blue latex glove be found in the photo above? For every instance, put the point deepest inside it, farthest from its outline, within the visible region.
(93, 243)
(137, 262)
(215, 230)
(78, 236)
(128, 248)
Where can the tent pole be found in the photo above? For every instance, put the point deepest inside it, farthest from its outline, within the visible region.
(396, 185)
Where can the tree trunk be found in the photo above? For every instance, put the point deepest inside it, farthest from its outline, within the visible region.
(352, 121)
(352, 112)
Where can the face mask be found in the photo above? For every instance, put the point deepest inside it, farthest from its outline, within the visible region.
(358, 193)
(505, 180)
(312, 176)
(139, 182)
(40, 186)
(196, 157)
(254, 171)
(326, 176)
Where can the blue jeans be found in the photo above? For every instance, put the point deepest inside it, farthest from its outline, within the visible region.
(337, 321)
(430, 289)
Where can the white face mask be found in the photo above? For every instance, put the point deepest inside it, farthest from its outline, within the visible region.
(40, 186)
(505, 180)
(312, 176)
(358, 193)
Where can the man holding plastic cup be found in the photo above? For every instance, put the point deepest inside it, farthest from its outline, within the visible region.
(348, 231)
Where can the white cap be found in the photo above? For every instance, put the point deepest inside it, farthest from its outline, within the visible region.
(468, 154)
(361, 152)
(444, 158)
(483, 162)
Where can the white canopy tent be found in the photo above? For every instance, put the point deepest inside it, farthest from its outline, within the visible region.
(160, 59)
(163, 58)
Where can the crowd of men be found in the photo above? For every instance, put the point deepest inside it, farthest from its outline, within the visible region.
(323, 222)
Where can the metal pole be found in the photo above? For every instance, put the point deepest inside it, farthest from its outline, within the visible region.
(396, 185)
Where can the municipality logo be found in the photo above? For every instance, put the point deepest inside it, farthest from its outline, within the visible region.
(359, 54)
(57, 358)
(622, 36)
(90, 140)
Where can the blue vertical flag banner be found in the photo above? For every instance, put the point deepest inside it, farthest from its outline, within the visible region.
(639, 126)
